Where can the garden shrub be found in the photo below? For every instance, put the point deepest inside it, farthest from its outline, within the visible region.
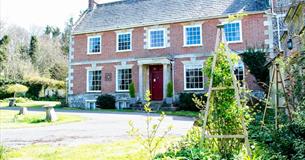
(106, 101)
(19, 100)
(3, 153)
(132, 90)
(169, 91)
(186, 102)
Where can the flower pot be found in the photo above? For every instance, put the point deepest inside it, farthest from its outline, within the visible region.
(169, 100)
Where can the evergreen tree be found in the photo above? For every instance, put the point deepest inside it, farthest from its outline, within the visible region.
(55, 32)
(3, 50)
(33, 49)
(65, 38)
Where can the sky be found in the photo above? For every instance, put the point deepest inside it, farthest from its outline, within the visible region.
(39, 13)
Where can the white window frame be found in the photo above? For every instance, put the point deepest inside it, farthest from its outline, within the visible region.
(117, 41)
(164, 38)
(185, 66)
(185, 36)
(241, 63)
(87, 81)
(240, 31)
(116, 77)
(88, 45)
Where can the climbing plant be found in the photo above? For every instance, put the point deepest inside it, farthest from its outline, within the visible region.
(224, 114)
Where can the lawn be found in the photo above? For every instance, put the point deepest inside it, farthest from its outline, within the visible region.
(36, 104)
(122, 150)
(10, 119)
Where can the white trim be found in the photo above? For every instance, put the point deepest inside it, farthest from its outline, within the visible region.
(185, 36)
(126, 66)
(164, 38)
(189, 64)
(88, 45)
(117, 41)
(87, 79)
(116, 77)
(240, 31)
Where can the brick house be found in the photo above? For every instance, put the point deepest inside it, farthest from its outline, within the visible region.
(153, 42)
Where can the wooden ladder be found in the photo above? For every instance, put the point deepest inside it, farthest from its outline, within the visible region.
(220, 37)
(277, 77)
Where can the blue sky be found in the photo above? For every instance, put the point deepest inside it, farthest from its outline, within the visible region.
(39, 13)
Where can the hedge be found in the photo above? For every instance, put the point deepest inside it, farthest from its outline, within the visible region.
(35, 85)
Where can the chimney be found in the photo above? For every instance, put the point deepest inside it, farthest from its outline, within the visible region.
(91, 4)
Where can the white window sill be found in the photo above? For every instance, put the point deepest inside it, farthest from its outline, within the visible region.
(122, 91)
(194, 89)
(119, 51)
(94, 91)
(234, 42)
(94, 53)
(152, 48)
(197, 45)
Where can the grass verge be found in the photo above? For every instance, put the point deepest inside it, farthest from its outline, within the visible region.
(122, 150)
(10, 119)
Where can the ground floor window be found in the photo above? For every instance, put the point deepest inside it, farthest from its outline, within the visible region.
(239, 73)
(193, 77)
(94, 80)
(123, 79)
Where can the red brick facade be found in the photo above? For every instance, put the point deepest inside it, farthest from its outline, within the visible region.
(253, 34)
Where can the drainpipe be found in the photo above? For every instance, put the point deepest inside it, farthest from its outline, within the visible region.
(173, 78)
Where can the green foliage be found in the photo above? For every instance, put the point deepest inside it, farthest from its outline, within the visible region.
(186, 102)
(188, 148)
(19, 100)
(65, 39)
(33, 49)
(224, 114)
(256, 60)
(150, 141)
(132, 90)
(16, 88)
(170, 88)
(3, 153)
(106, 101)
(3, 50)
(59, 72)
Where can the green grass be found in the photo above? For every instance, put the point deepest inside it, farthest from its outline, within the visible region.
(182, 113)
(32, 104)
(10, 119)
(122, 150)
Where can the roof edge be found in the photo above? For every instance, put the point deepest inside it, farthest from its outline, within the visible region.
(165, 22)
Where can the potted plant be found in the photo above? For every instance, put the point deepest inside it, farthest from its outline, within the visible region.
(169, 93)
(132, 93)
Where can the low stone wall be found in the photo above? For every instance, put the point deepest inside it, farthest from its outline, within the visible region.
(79, 101)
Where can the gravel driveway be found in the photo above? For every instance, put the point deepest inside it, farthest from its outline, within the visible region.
(97, 128)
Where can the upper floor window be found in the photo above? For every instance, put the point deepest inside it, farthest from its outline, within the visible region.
(193, 35)
(193, 77)
(157, 38)
(233, 32)
(94, 45)
(123, 79)
(124, 41)
(94, 80)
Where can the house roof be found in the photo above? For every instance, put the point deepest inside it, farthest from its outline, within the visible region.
(132, 13)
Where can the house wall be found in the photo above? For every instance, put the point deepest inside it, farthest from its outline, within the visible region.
(254, 31)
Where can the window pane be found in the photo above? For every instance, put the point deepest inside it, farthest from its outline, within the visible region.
(124, 42)
(157, 38)
(194, 77)
(94, 44)
(193, 36)
(95, 80)
(124, 79)
(232, 32)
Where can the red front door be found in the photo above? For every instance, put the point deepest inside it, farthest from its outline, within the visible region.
(156, 82)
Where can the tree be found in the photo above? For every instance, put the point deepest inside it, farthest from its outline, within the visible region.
(3, 50)
(55, 32)
(33, 49)
(59, 71)
(16, 88)
(65, 38)
(256, 60)
(48, 30)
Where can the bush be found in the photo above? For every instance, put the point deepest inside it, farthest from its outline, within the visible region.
(105, 101)
(132, 90)
(19, 100)
(16, 88)
(169, 92)
(186, 102)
